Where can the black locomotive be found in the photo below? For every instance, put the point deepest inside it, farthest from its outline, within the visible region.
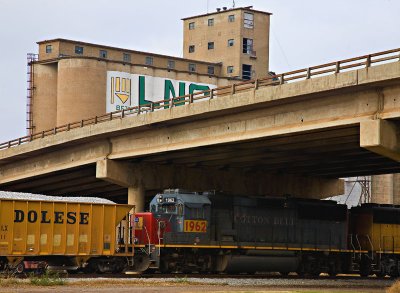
(208, 232)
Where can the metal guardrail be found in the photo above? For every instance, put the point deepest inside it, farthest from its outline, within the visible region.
(287, 77)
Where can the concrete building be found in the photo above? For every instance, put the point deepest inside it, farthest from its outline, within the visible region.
(236, 38)
(74, 80)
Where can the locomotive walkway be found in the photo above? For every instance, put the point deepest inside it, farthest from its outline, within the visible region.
(294, 133)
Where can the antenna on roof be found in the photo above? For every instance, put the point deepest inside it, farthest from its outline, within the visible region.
(233, 4)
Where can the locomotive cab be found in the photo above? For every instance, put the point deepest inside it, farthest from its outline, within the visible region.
(184, 216)
(175, 216)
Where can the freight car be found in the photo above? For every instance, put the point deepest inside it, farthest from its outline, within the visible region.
(375, 235)
(189, 232)
(71, 234)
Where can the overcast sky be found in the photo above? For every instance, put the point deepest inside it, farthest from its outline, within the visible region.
(303, 33)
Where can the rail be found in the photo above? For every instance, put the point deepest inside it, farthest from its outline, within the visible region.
(287, 77)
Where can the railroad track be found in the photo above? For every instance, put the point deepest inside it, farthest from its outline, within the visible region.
(216, 276)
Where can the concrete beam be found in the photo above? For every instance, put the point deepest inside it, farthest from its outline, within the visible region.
(119, 173)
(381, 137)
(149, 176)
(49, 162)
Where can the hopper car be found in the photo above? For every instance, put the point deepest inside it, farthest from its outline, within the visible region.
(35, 234)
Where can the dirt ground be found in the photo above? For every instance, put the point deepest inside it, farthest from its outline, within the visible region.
(177, 289)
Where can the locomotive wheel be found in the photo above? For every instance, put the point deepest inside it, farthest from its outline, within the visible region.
(164, 266)
(141, 263)
(284, 274)
(20, 268)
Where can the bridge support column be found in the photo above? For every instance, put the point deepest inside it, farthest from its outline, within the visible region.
(136, 197)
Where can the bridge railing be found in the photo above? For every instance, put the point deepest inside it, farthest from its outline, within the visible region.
(272, 80)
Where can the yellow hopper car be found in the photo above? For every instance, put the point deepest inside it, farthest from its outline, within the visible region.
(35, 234)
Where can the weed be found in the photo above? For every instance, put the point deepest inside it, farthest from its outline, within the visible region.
(181, 280)
(9, 282)
(47, 279)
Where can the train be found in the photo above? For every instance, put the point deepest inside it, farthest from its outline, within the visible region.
(205, 232)
(209, 232)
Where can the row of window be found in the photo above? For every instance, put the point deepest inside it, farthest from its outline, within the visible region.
(248, 21)
(210, 45)
(127, 58)
(102, 53)
(210, 22)
(247, 46)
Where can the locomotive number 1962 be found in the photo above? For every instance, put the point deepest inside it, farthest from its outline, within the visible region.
(198, 226)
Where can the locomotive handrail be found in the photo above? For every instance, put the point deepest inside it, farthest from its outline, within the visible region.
(372, 247)
(364, 61)
(352, 245)
(148, 238)
(359, 245)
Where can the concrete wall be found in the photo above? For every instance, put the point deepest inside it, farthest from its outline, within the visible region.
(81, 89)
(385, 189)
(44, 102)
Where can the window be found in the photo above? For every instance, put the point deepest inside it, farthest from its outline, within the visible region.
(231, 42)
(149, 60)
(171, 64)
(231, 18)
(210, 45)
(246, 71)
(229, 69)
(191, 25)
(247, 46)
(248, 21)
(211, 22)
(126, 57)
(78, 50)
(49, 48)
(191, 48)
(103, 54)
(192, 67)
(210, 70)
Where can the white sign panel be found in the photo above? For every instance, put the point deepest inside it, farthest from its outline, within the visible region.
(126, 90)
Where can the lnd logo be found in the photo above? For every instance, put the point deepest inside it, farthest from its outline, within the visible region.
(126, 90)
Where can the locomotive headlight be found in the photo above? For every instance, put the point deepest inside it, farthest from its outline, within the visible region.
(160, 198)
(196, 240)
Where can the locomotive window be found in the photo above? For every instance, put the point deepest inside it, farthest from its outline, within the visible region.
(167, 209)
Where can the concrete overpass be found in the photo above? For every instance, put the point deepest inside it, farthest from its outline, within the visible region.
(295, 133)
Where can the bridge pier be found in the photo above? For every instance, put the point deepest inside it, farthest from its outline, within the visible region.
(136, 197)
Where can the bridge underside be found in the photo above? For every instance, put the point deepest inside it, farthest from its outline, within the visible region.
(326, 154)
